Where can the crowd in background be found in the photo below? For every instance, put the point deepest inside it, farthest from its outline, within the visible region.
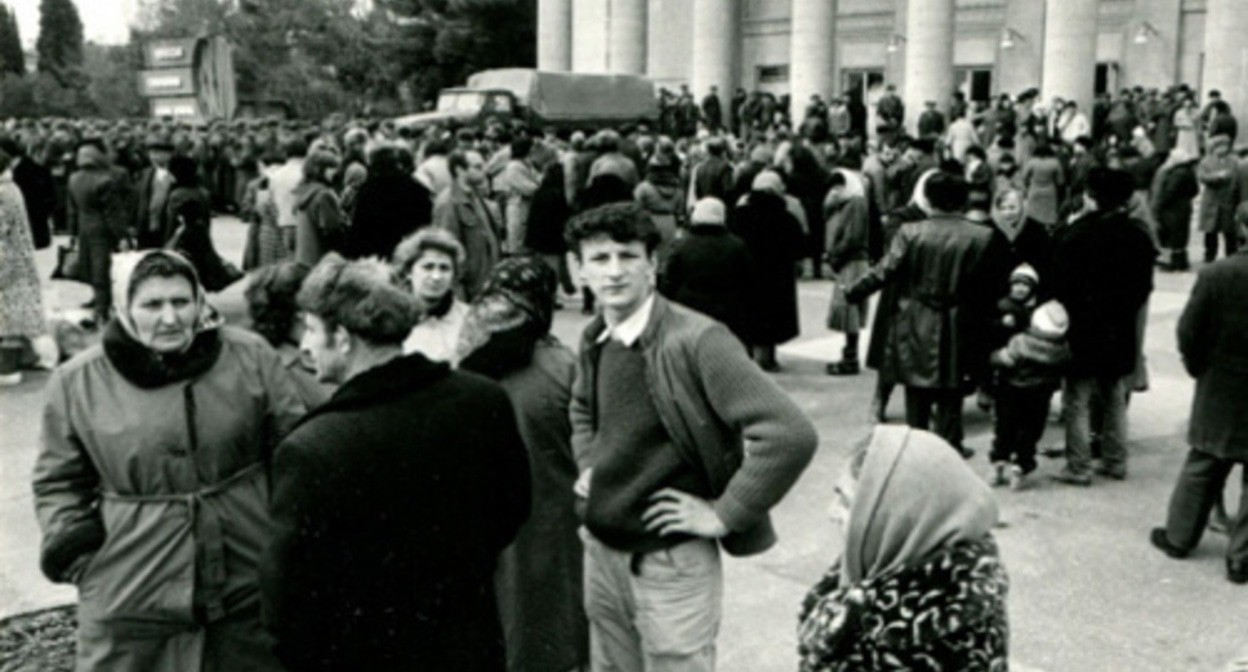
(1012, 244)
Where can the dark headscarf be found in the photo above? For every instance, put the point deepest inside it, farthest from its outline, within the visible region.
(512, 313)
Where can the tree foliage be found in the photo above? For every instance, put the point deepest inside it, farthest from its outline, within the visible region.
(60, 41)
(12, 60)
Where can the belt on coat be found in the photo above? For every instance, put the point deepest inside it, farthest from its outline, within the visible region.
(211, 537)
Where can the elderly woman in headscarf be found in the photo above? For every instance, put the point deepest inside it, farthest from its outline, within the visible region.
(919, 584)
(1174, 189)
(775, 240)
(150, 486)
(506, 337)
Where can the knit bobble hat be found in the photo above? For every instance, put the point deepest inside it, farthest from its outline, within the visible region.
(708, 211)
(1025, 273)
(1050, 320)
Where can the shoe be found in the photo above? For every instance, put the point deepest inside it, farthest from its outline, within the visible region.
(1019, 479)
(1115, 472)
(845, 367)
(998, 478)
(1162, 543)
(1071, 477)
(878, 413)
(1237, 572)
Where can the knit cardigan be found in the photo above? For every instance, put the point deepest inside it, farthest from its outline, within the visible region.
(725, 416)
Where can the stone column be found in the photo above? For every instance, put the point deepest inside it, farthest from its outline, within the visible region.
(812, 50)
(589, 35)
(1020, 65)
(929, 57)
(1070, 51)
(1226, 55)
(554, 35)
(716, 44)
(626, 36)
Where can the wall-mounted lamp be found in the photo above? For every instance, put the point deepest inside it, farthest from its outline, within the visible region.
(895, 42)
(1010, 38)
(1146, 33)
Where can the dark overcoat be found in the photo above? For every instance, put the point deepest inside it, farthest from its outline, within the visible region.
(1213, 339)
(1102, 274)
(709, 271)
(391, 503)
(775, 242)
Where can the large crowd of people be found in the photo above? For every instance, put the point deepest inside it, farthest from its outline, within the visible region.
(400, 467)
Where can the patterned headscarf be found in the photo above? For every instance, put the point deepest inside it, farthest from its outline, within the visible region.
(518, 296)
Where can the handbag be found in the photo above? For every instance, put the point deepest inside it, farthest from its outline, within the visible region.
(68, 263)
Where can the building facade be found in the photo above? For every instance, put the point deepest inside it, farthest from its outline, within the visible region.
(928, 48)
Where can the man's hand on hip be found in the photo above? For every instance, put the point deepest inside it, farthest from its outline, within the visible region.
(676, 512)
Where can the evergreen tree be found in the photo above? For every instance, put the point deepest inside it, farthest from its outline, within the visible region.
(60, 39)
(16, 58)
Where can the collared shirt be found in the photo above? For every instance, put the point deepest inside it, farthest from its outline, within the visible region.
(628, 331)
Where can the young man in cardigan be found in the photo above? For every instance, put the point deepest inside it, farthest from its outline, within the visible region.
(684, 446)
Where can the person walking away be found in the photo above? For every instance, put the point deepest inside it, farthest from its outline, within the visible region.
(437, 453)
(507, 338)
(960, 138)
(99, 207)
(430, 261)
(1030, 350)
(548, 216)
(391, 205)
(176, 491)
(709, 269)
(283, 181)
(1102, 275)
(848, 256)
(775, 241)
(948, 270)
(931, 122)
(683, 446)
(712, 178)
(661, 196)
(1044, 181)
(516, 186)
(1213, 340)
(712, 113)
(1219, 197)
(916, 525)
(1174, 189)
(473, 220)
(21, 297)
(321, 225)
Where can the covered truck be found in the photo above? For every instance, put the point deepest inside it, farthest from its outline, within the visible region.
(542, 99)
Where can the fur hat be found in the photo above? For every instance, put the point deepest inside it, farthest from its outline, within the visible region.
(708, 210)
(1050, 320)
(1025, 273)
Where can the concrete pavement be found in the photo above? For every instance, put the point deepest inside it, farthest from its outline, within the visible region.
(1088, 591)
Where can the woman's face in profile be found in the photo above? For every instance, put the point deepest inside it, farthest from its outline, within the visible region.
(163, 311)
(432, 275)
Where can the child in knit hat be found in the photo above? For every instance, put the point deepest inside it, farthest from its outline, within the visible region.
(1029, 367)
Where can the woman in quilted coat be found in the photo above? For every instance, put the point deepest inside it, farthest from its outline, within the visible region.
(920, 584)
(151, 486)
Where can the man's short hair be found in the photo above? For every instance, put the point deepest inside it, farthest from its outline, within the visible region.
(977, 152)
(946, 192)
(270, 297)
(458, 160)
(294, 146)
(362, 297)
(1110, 188)
(623, 222)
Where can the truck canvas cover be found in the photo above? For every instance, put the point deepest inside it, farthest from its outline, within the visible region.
(559, 96)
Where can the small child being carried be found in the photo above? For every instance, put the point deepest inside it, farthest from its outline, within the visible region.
(1028, 362)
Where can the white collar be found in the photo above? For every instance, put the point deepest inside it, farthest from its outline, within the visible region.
(628, 331)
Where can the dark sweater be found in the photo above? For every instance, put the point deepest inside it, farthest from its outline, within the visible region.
(635, 456)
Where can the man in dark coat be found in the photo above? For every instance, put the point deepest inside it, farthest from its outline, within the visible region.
(38, 190)
(153, 186)
(391, 206)
(713, 177)
(98, 212)
(392, 501)
(1213, 339)
(712, 110)
(1102, 274)
(950, 271)
(890, 108)
(931, 122)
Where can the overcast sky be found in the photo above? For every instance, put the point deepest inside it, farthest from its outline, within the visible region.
(103, 21)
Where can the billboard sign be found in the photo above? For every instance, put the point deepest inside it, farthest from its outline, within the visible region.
(169, 53)
(176, 108)
(175, 82)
